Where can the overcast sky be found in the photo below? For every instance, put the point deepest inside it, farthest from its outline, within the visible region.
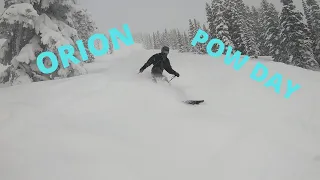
(151, 15)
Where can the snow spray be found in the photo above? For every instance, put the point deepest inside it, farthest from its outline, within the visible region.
(275, 81)
(115, 34)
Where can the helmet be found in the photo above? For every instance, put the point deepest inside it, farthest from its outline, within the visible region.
(165, 49)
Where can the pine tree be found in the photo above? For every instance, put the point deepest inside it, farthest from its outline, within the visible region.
(307, 14)
(222, 27)
(177, 37)
(232, 15)
(214, 9)
(159, 36)
(154, 40)
(111, 50)
(85, 27)
(165, 38)
(186, 42)
(145, 41)
(32, 27)
(181, 46)
(314, 8)
(198, 47)
(192, 33)
(248, 37)
(157, 41)
(309, 32)
(264, 6)
(203, 46)
(293, 38)
(173, 39)
(196, 25)
(272, 33)
(191, 29)
(210, 20)
(256, 27)
(150, 41)
(110, 46)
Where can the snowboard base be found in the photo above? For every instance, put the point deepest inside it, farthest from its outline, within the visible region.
(194, 102)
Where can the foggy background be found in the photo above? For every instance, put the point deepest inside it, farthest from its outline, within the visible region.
(152, 15)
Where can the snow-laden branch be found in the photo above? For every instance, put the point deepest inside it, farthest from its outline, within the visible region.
(22, 13)
(28, 52)
(49, 32)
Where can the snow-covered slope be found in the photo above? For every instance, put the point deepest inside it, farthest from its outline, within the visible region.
(116, 124)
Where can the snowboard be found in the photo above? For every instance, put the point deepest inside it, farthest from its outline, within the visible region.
(194, 102)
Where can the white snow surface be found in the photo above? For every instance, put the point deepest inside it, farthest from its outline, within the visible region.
(116, 124)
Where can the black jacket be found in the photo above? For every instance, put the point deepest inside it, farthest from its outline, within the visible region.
(159, 63)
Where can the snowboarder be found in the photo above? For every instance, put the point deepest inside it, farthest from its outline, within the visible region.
(160, 62)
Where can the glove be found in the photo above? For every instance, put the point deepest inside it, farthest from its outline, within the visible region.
(141, 70)
(177, 74)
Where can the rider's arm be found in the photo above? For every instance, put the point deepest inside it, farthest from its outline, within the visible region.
(148, 63)
(168, 68)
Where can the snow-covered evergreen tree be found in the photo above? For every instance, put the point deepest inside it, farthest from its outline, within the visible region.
(307, 14)
(85, 27)
(111, 50)
(150, 42)
(222, 28)
(198, 48)
(272, 32)
(173, 38)
(247, 29)
(214, 10)
(232, 18)
(154, 40)
(32, 27)
(210, 20)
(255, 20)
(203, 46)
(257, 27)
(181, 46)
(192, 32)
(144, 41)
(314, 8)
(294, 39)
(158, 40)
(196, 25)
(264, 6)
(186, 42)
(165, 38)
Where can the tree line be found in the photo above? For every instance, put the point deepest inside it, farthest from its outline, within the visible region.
(290, 36)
